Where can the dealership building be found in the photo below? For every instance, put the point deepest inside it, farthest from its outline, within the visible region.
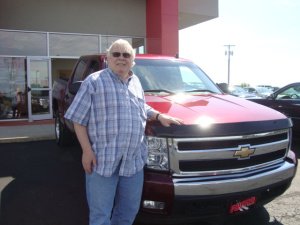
(41, 40)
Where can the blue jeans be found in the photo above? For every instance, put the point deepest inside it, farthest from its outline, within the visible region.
(102, 192)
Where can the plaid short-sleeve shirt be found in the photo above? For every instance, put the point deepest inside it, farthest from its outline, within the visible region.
(115, 115)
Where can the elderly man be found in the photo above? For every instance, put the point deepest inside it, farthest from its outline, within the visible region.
(109, 115)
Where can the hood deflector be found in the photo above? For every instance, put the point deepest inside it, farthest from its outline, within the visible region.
(215, 130)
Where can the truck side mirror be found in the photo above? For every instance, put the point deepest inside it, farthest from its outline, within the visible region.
(74, 87)
(271, 97)
(223, 87)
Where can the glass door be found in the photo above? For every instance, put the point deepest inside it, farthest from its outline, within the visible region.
(39, 90)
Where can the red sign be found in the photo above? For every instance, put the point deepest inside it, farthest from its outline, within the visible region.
(243, 205)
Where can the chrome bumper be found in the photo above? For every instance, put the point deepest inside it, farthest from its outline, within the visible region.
(221, 185)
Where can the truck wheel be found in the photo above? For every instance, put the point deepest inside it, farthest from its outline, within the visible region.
(61, 135)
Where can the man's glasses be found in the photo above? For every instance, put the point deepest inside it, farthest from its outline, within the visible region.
(118, 54)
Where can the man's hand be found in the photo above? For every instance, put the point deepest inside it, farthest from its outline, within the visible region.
(168, 120)
(88, 159)
(88, 156)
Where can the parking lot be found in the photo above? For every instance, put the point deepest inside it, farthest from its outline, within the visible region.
(42, 184)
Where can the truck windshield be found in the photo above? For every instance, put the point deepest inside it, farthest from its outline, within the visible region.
(172, 76)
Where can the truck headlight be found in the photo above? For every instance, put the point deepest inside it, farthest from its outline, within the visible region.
(158, 157)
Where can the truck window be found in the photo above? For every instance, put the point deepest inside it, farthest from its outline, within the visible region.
(79, 70)
(172, 75)
(93, 67)
(190, 79)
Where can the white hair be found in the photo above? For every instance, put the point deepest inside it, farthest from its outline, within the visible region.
(123, 44)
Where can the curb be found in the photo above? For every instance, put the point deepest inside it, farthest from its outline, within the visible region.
(17, 140)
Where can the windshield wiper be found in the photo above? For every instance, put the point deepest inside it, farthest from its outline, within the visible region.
(200, 90)
(160, 90)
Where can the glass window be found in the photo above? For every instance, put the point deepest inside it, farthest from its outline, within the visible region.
(39, 74)
(13, 92)
(80, 69)
(23, 43)
(137, 43)
(190, 79)
(39, 102)
(93, 67)
(73, 45)
(290, 93)
(174, 76)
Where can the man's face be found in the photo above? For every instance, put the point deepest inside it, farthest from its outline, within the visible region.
(120, 65)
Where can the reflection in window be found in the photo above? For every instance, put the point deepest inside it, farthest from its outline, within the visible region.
(172, 76)
(12, 88)
(39, 74)
(73, 45)
(40, 102)
(190, 79)
(138, 45)
(23, 43)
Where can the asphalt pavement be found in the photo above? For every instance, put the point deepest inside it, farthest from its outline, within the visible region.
(40, 186)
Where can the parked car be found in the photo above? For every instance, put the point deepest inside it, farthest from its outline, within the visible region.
(250, 89)
(262, 85)
(240, 92)
(287, 101)
(274, 88)
(259, 91)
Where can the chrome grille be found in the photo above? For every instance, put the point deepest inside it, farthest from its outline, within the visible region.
(227, 164)
(205, 145)
(216, 155)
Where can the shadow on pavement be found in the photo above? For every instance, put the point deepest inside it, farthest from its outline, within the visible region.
(47, 185)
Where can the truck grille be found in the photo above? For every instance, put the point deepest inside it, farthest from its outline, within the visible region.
(228, 155)
(205, 145)
(227, 164)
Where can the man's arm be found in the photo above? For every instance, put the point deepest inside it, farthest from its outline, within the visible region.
(165, 120)
(88, 156)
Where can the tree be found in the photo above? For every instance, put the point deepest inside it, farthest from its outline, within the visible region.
(244, 85)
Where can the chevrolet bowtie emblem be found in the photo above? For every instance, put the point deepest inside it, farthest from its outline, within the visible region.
(244, 152)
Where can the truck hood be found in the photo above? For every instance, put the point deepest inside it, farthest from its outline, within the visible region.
(213, 108)
(213, 115)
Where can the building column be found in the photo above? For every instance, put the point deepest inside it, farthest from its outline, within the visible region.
(162, 27)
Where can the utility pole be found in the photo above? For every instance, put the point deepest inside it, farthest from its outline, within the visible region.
(229, 53)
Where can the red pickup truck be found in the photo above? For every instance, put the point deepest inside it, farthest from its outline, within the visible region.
(231, 156)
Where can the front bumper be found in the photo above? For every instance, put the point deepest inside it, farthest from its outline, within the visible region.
(196, 199)
(187, 209)
(209, 186)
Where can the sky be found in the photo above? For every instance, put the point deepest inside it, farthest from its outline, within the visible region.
(266, 39)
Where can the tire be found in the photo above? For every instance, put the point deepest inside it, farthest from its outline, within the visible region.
(62, 136)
